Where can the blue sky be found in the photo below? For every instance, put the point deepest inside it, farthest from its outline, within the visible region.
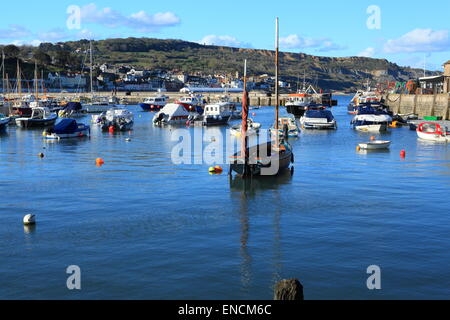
(407, 34)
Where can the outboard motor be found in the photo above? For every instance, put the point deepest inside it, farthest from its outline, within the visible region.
(159, 119)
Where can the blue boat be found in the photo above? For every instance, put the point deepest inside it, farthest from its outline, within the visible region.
(67, 128)
(4, 121)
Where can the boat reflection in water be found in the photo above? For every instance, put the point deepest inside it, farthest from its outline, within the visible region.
(243, 191)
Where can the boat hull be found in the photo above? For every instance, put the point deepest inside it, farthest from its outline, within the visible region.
(433, 137)
(150, 107)
(297, 111)
(372, 128)
(35, 123)
(215, 121)
(272, 166)
(375, 145)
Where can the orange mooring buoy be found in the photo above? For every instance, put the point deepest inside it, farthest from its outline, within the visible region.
(111, 129)
(372, 138)
(403, 154)
(99, 162)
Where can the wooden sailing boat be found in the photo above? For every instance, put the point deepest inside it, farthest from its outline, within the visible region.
(266, 159)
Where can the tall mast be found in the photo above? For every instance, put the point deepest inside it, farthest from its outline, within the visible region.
(3, 71)
(276, 75)
(92, 66)
(19, 80)
(36, 84)
(244, 125)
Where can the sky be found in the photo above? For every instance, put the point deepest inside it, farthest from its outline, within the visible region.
(415, 33)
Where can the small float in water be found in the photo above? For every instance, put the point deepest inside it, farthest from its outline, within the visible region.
(67, 128)
(433, 131)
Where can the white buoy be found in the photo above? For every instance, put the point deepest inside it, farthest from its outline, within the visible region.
(127, 139)
(29, 219)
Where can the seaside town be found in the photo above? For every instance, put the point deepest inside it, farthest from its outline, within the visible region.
(136, 167)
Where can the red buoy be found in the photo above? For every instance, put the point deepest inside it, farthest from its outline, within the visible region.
(111, 129)
(403, 154)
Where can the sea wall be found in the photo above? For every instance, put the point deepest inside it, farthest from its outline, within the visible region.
(423, 105)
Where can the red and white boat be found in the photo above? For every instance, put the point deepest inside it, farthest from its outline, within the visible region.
(193, 103)
(433, 131)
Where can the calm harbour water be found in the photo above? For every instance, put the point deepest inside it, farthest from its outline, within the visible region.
(141, 227)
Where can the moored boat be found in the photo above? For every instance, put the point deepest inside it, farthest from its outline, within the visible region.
(117, 118)
(433, 131)
(375, 145)
(154, 103)
(40, 117)
(65, 129)
(4, 121)
(369, 119)
(286, 126)
(252, 128)
(318, 117)
(217, 114)
(172, 113)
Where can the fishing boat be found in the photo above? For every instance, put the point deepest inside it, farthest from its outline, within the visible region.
(363, 97)
(433, 131)
(172, 113)
(4, 121)
(154, 103)
(317, 117)
(297, 103)
(40, 117)
(66, 129)
(72, 110)
(192, 103)
(252, 128)
(369, 119)
(375, 145)
(217, 114)
(286, 127)
(117, 118)
(265, 159)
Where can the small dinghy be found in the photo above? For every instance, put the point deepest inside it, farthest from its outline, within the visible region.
(67, 128)
(433, 131)
(287, 126)
(253, 128)
(375, 145)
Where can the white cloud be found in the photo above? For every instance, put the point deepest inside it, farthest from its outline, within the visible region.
(294, 41)
(368, 53)
(15, 31)
(229, 41)
(419, 40)
(33, 43)
(53, 35)
(141, 21)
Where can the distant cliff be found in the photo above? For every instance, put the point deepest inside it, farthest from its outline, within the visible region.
(330, 73)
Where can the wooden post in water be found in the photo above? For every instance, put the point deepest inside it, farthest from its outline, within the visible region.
(290, 289)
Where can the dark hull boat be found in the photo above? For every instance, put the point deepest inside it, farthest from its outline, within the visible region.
(264, 160)
(4, 121)
(297, 111)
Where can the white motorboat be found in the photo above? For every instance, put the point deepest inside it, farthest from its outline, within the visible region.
(375, 145)
(218, 113)
(173, 113)
(317, 117)
(287, 125)
(432, 131)
(118, 118)
(252, 129)
(100, 104)
(369, 119)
